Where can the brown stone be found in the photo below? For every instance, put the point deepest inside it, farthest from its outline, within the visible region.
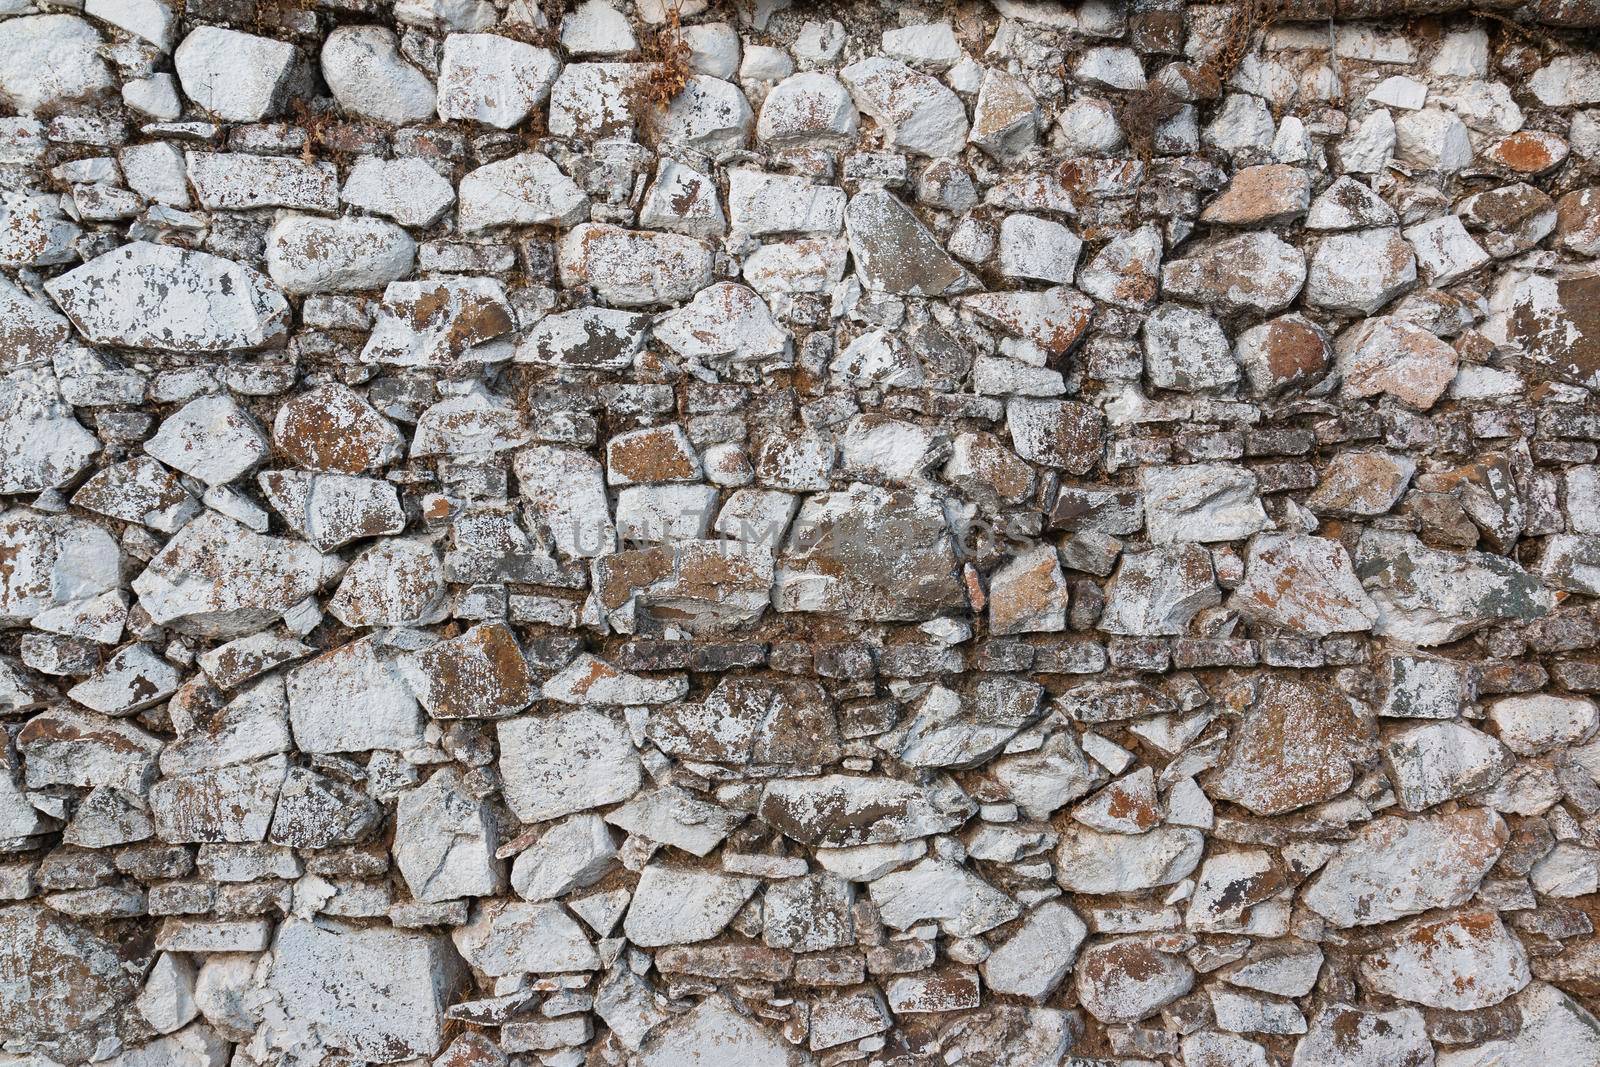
(1510, 219)
(1578, 221)
(1528, 152)
(1361, 484)
(330, 428)
(1284, 353)
(1555, 322)
(1295, 744)
(656, 454)
(1274, 192)
(60, 976)
(1386, 355)
(480, 675)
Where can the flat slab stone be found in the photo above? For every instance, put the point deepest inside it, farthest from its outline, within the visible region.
(150, 296)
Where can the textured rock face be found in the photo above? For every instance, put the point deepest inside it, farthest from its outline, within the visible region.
(150, 296)
(673, 534)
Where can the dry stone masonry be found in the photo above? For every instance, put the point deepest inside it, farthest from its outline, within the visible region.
(696, 533)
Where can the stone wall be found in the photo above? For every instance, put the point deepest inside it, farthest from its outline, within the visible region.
(995, 533)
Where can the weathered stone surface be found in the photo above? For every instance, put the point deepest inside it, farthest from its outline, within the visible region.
(211, 438)
(1127, 979)
(493, 80)
(840, 810)
(1388, 356)
(1347, 1035)
(66, 977)
(1254, 272)
(239, 77)
(1034, 960)
(1548, 320)
(916, 111)
(1362, 484)
(836, 561)
(1159, 591)
(1534, 725)
(567, 489)
(1396, 867)
(1091, 862)
(761, 720)
(1274, 192)
(44, 447)
(357, 676)
(1303, 584)
(680, 906)
(575, 852)
(568, 762)
(515, 938)
(1200, 502)
(445, 841)
(368, 76)
(1431, 763)
(159, 297)
(312, 255)
(377, 993)
(1464, 962)
(524, 190)
(409, 191)
(52, 62)
(609, 532)
(228, 804)
(1360, 272)
(239, 181)
(895, 253)
(218, 578)
(715, 1024)
(807, 107)
(1186, 350)
(1554, 1026)
(1056, 433)
(1297, 744)
(481, 674)
(1028, 594)
(1434, 597)
(633, 268)
(963, 904)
